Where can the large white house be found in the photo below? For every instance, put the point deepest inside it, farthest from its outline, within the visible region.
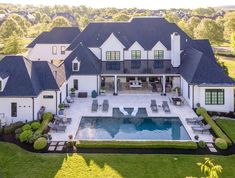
(145, 54)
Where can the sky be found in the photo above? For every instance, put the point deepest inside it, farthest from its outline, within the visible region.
(146, 4)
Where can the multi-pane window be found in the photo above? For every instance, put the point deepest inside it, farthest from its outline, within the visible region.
(135, 54)
(113, 55)
(13, 109)
(48, 96)
(54, 50)
(214, 97)
(158, 54)
(62, 49)
(158, 64)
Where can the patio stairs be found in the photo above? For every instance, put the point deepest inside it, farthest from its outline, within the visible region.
(211, 147)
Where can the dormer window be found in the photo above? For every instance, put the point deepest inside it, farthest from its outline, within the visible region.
(158, 54)
(76, 64)
(135, 54)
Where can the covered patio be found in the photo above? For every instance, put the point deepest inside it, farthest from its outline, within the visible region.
(82, 107)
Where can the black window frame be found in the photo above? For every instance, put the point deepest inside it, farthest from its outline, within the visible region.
(75, 64)
(214, 97)
(158, 64)
(135, 54)
(48, 96)
(75, 84)
(158, 54)
(113, 56)
(62, 50)
(188, 91)
(13, 109)
(54, 47)
(1, 85)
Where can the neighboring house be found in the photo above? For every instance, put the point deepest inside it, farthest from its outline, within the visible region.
(51, 46)
(150, 54)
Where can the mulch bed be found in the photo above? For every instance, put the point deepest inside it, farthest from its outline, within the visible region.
(29, 147)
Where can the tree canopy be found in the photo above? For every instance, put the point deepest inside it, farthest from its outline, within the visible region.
(60, 22)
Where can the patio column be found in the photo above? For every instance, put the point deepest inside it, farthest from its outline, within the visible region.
(164, 84)
(115, 85)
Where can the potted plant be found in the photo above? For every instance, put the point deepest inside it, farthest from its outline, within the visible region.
(102, 90)
(93, 94)
(70, 143)
(61, 108)
(177, 90)
(72, 90)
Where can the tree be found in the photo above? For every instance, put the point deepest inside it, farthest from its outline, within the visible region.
(192, 24)
(209, 169)
(229, 25)
(9, 27)
(21, 21)
(208, 29)
(13, 44)
(172, 17)
(60, 22)
(121, 17)
(184, 26)
(233, 42)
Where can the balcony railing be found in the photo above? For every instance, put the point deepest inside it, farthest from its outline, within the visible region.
(139, 67)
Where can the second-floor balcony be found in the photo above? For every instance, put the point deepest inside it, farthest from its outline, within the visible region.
(157, 66)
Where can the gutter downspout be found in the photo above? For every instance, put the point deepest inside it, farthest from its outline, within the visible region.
(56, 102)
(193, 98)
(33, 107)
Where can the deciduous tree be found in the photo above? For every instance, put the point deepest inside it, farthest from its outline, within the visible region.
(13, 45)
(60, 22)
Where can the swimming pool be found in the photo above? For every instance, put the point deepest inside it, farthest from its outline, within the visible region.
(131, 128)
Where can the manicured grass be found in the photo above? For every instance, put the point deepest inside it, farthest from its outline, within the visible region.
(133, 144)
(18, 163)
(228, 126)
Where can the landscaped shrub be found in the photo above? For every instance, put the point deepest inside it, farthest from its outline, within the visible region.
(34, 137)
(94, 94)
(219, 133)
(26, 127)
(136, 144)
(221, 144)
(47, 117)
(35, 125)
(25, 135)
(18, 131)
(201, 144)
(40, 143)
(12, 127)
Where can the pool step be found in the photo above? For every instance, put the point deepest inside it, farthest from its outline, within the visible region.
(211, 147)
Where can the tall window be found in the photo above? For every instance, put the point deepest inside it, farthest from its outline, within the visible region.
(62, 50)
(75, 84)
(13, 109)
(0, 85)
(158, 54)
(188, 91)
(54, 50)
(113, 55)
(214, 97)
(75, 66)
(135, 54)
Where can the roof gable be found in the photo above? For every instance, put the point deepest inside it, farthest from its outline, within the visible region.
(159, 45)
(112, 40)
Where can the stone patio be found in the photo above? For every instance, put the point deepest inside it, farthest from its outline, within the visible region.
(82, 107)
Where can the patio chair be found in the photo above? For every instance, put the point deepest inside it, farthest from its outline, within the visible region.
(105, 106)
(194, 120)
(170, 100)
(69, 99)
(153, 106)
(202, 129)
(63, 120)
(123, 111)
(56, 128)
(94, 106)
(165, 107)
(66, 104)
(134, 112)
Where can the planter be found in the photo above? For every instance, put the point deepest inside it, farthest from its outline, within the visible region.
(61, 112)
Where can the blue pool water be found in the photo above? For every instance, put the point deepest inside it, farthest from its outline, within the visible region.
(136, 128)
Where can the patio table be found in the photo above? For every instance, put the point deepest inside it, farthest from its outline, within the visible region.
(177, 101)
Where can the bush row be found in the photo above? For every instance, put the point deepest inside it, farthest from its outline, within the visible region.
(136, 144)
(219, 133)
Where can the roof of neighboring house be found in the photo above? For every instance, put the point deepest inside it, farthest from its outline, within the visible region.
(58, 35)
(29, 78)
(89, 63)
(146, 31)
(199, 68)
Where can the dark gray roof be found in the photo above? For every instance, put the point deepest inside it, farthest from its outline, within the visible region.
(89, 63)
(58, 35)
(198, 68)
(28, 78)
(3, 74)
(146, 31)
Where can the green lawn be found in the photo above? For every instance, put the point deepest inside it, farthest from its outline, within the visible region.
(17, 163)
(228, 126)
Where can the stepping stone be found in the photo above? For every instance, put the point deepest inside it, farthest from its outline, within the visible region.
(59, 148)
(53, 143)
(51, 148)
(210, 145)
(61, 143)
(213, 150)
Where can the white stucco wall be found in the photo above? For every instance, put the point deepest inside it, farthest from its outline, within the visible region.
(112, 44)
(135, 46)
(184, 91)
(44, 52)
(24, 109)
(159, 46)
(86, 83)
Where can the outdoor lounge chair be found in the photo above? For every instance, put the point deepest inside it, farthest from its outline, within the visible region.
(153, 106)
(105, 106)
(165, 107)
(66, 104)
(94, 106)
(134, 112)
(69, 99)
(202, 129)
(62, 120)
(56, 127)
(123, 111)
(194, 120)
